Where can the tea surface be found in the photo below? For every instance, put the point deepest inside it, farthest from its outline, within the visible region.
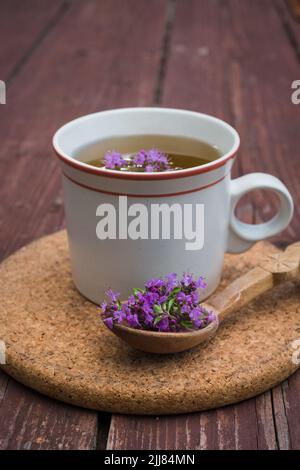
(182, 152)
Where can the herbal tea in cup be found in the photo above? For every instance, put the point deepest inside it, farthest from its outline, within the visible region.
(148, 153)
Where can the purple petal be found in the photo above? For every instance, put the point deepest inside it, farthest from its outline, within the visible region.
(149, 168)
(108, 322)
(139, 158)
(112, 295)
(114, 160)
(163, 325)
(200, 283)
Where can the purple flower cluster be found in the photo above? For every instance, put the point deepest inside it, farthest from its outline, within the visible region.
(146, 161)
(114, 160)
(151, 160)
(169, 305)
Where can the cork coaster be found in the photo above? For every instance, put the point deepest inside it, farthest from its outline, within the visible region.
(56, 344)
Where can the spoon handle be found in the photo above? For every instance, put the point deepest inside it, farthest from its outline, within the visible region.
(274, 269)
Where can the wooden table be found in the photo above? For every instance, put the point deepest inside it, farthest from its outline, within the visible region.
(64, 58)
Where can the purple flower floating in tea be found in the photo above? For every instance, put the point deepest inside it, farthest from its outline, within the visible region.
(151, 160)
(168, 305)
(114, 160)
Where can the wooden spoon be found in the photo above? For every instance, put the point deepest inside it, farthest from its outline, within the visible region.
(271, 271)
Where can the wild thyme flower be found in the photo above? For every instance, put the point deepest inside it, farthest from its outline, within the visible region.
(156, 161)
(168, 304)
(151, 160)
(140, 158)
(114, 160)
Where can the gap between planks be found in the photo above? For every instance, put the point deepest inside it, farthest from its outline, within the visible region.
(38, 41)
(289, 24)
(165, 50)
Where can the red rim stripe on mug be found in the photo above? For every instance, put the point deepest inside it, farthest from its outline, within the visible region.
(179, 193)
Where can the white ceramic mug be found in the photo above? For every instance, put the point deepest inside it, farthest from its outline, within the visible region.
(123, 262)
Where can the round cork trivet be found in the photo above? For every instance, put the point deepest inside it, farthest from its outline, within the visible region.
(56, 343)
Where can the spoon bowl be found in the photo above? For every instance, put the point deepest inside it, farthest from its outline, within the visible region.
(164, 343)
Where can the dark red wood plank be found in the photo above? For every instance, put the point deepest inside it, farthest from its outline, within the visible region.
(30, 421)
(290, 23)
(281, 419)
(248, 425)
(268, 121)
(291, 394)
(98, 55)
(235, 60)
(3, 384)
(22, 27)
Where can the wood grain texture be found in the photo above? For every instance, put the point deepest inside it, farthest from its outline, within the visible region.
(290, 24)
(95, 55)
(30, 421)
(22, 28)
(247, 426)
(267, 119)
(215, 67)
(3, 385)
(273, 114)
(291, 391)
(280, 417)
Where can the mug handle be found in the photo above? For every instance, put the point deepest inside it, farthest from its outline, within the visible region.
(242, 236)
